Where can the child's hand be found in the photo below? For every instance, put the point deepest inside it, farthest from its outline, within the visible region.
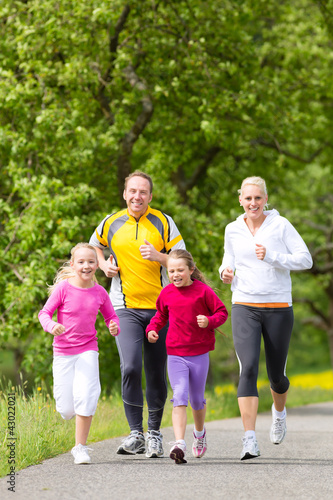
(113, 328)
(58, 329)
(152, 337)
(202, 321)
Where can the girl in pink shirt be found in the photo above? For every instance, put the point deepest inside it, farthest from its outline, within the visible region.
(77, 297)
(193, 311)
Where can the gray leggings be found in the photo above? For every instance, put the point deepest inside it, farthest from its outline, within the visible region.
(275, 325)
(131, 341)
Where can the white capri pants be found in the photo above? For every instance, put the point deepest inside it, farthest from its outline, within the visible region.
(76, 385)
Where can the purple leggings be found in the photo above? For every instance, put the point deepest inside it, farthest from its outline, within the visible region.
(188, 375)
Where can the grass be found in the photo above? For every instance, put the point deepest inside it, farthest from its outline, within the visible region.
(41, 433)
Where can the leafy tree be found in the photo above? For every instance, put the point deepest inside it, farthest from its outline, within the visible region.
(198, 94)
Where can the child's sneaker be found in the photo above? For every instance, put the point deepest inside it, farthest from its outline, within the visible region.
(177, 453)
(199, 446)
(154, 448)
(81, 455)
(132, 444)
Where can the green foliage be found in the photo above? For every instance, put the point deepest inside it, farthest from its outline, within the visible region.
(198, 94)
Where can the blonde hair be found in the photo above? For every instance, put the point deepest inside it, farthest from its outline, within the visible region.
(254, 181)
(66, 271)
(187, 257)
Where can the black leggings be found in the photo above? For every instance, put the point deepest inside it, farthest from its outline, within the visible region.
(132, 339)
(275, 325)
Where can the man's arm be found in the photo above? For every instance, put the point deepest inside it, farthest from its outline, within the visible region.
(106, 265)
(149, 252)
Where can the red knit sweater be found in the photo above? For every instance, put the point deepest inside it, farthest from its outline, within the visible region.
(181, 306)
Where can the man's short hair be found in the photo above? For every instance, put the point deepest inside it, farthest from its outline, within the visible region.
(137, 173)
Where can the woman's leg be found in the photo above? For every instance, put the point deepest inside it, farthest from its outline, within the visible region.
(246, 330)
(279, 400)
(277, 329)
(248, 407)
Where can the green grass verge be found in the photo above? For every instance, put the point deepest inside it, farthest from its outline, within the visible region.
(41, 433)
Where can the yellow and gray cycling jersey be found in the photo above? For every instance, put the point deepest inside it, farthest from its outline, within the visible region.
(139, 281)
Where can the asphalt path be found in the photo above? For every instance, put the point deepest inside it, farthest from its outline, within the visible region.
(299, 468)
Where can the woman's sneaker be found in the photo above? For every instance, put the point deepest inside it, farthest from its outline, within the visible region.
(132, 444)
(154, 448)
(177, 453)
(199, 446)
(81, 455)
(278, 428)
(250, 448)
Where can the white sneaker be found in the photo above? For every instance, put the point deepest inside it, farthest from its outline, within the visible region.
(154, 447)
(81, 455)
(278, 428)
(250, 448)
(177, 452)
(132, 444)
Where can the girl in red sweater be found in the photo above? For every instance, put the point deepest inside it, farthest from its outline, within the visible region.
(193, 310)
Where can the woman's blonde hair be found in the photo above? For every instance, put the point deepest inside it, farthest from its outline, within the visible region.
(184, 254)
(66, 271)
(254, 181)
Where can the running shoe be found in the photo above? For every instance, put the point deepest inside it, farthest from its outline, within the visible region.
(250, 448)
(132, 444)
(199, 446)
(154, 448)
(177, 453)
(81, 455)
(278, 429)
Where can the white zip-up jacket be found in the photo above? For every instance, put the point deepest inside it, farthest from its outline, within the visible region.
(268, 280)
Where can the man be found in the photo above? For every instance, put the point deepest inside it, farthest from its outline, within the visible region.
(139, 239)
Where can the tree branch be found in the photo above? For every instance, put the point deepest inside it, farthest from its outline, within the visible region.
(315, 310)
(275, 145)
(185, 184)
(128, 141)
(105, 79)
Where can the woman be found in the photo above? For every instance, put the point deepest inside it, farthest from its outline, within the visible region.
(263, 247)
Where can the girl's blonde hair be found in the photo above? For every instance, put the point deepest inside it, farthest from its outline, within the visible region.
(66, 271)
(254, 181)
(184, 254)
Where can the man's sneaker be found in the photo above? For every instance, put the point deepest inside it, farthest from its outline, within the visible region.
(177, 453)
(154, 448)
(199, 446)
(278, 429)
(81, 455)
(132, 444)
(250, 448)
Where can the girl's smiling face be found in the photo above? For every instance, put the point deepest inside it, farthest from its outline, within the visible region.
(179, 272)
(85, 265)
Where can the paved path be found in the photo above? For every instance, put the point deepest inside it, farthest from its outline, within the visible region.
(300, 468)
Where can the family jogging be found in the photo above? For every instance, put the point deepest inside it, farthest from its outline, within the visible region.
(163, 315)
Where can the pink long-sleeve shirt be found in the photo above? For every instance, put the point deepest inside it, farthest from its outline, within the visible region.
(77, 311)
(181, 306)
